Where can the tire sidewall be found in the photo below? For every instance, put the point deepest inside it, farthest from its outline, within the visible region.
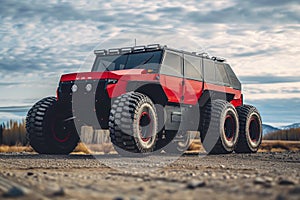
(253, 145)
(136, 126)
(229, 145)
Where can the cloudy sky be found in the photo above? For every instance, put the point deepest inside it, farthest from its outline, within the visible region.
(40, 40)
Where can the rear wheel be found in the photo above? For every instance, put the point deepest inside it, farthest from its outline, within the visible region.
(133, 124)
(49, 130)
(220, 136)
(250, 129)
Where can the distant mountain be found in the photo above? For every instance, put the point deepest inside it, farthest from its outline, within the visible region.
(269, 129)
(295, 125)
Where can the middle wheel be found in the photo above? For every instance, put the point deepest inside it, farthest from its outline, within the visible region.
(221, 135)
(133, 124)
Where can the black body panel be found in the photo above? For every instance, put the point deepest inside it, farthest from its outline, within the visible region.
(90, 108)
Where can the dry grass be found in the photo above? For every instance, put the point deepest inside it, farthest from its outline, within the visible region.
(107, 148)
(196, 146)
(81, 149)
(266, 146)
(16, 148)
(279, 146)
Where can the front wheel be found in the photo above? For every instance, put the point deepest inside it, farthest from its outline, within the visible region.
(133, 124)
(49, 130)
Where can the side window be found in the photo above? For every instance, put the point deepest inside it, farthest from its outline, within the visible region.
(233, 79)
(221, 75)
(192, 67)
(209, 71)
(172, 64)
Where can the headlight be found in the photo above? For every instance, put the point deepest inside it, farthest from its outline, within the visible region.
(74, 88)
(88, 87)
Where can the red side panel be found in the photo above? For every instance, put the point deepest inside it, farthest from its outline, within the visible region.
(172, 87)
(115, 90)
(192, 91)
(238, 97)
(237, 102)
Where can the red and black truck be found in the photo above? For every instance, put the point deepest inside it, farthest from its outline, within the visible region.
(150, 98)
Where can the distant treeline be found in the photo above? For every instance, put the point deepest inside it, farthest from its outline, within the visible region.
(292, 134)
(13, 133)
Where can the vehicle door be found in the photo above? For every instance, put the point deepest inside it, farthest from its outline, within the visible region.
(171, 76)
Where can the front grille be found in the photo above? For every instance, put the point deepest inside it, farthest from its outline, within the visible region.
(85, 103)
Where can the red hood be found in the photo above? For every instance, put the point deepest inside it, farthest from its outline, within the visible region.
(101, 75)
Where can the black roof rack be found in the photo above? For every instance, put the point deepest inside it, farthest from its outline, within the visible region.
(153, 47)
(114, 51)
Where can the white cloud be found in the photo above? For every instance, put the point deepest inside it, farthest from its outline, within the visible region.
(42, 40)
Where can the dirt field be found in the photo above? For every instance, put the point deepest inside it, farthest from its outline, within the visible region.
(235, 176)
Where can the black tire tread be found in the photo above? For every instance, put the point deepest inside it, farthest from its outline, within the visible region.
(243, 112)
(122, 114)
(35, 133)
(211, 115)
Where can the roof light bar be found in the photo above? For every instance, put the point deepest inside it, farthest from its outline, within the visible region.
(139, 48)
(154, 47)
(114, 51)
(100, 52)
(126, 50)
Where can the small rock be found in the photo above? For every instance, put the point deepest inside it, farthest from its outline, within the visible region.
(205, 174)
(259, 181)
(192, 174)
(30, 173)
(269, 179)
(222, 166)
(195, 184)
(226, 177)
(246, 176)
(286, 182)
(60, 192)
(141, 188)
(9, 174)
(14, 192)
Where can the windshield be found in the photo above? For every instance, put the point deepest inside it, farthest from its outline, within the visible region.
(144, 60)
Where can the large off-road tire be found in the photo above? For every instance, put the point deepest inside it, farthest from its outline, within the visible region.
(250, 129)
(133, 124)
(49, 130)
(221, 135)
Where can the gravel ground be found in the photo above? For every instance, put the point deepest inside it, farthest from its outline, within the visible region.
(234, 176)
